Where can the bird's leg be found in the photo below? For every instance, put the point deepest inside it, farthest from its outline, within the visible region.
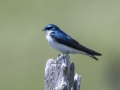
(63, 55)
(66, 54)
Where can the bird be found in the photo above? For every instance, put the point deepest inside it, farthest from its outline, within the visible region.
(62, 42)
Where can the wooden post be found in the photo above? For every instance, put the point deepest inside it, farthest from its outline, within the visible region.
(59, 74)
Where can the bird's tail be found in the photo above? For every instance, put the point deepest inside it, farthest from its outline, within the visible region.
(95, 53)
(92, 56)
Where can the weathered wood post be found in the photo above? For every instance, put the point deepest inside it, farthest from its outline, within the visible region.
(59, 74)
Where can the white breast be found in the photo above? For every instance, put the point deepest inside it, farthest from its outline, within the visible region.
(60, 47)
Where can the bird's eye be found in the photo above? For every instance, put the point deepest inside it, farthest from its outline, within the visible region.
(48, 28)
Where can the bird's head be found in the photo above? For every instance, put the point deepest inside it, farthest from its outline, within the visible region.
(50, 27)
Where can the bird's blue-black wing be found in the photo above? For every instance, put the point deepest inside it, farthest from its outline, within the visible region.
(65, 39)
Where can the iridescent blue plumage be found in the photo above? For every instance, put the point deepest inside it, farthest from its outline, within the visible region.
(66, 44)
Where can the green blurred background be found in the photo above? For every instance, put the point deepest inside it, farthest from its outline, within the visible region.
(24, 49)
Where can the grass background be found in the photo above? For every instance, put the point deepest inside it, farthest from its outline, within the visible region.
(24, 49)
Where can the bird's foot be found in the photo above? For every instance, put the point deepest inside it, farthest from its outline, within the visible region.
(59, 55)
(64, 55)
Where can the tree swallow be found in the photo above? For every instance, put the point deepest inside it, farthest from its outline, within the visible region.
(66, 44)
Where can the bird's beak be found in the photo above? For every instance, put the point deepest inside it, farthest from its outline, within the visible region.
(43, 29)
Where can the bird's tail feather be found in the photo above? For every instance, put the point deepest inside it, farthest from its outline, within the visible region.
(92, 56)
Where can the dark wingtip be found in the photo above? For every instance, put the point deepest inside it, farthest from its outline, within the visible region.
(98, 54)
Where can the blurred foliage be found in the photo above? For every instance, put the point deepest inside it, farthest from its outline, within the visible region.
(24, 49)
